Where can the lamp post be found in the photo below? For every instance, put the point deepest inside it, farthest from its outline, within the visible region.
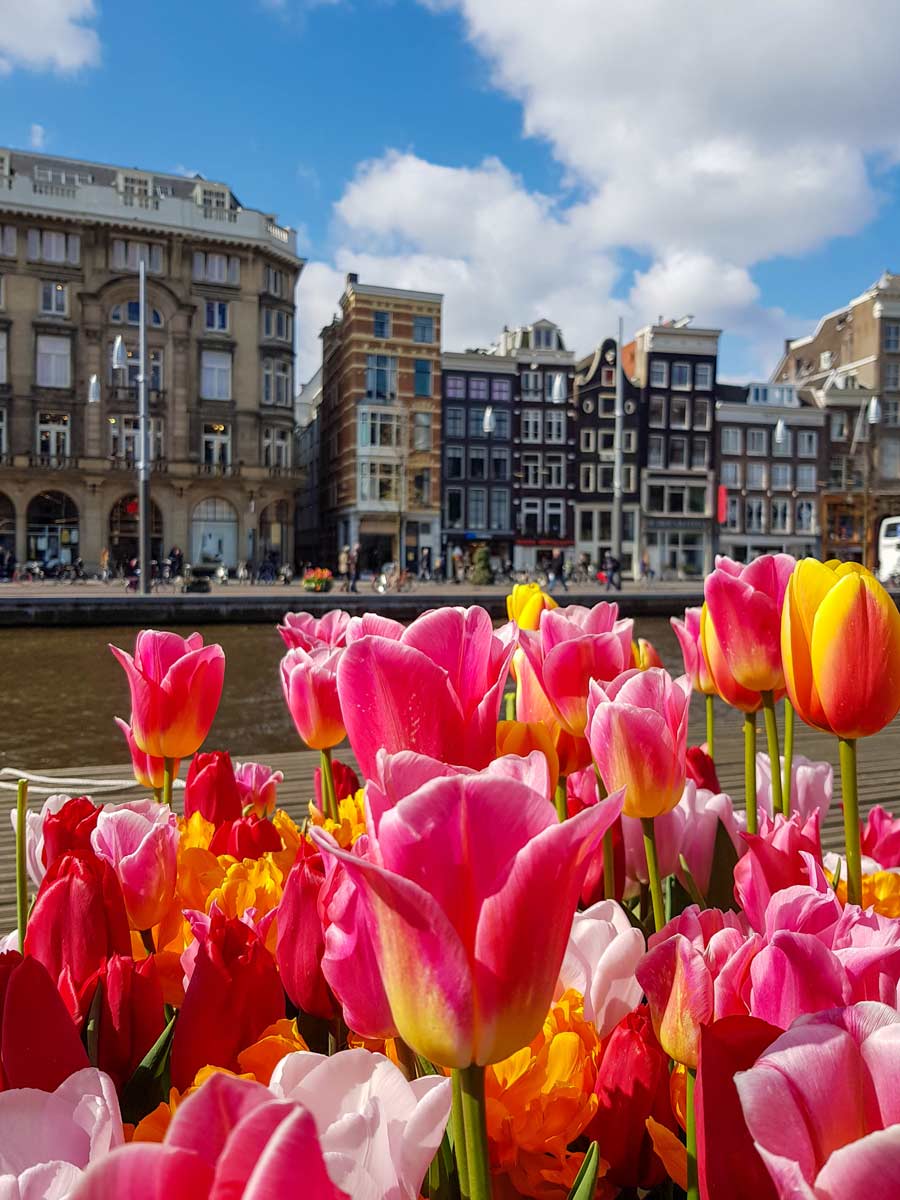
(873, 417)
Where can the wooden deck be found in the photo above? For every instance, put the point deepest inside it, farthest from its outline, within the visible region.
(879, 769)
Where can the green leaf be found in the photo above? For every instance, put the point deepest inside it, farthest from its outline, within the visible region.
(585, 1183)
(690, 883)
(149, 1085)
(720, 893)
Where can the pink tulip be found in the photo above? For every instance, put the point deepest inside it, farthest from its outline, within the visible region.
(603, 951)
(374, 623)
(303, 631)
(47, 1139)
(637, 731)
(823, 1107)
(688, 634)
(147, 770)
(176, 685)
(881, 838)
(744, 604)
(374, 1125)
(258, 787)
(436, 689)
(309, 681)
(812, 784)
(471, 930)
(139, 840)
(773, 862)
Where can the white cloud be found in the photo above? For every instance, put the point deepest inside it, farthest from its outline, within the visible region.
(37, 137)
(48, 35)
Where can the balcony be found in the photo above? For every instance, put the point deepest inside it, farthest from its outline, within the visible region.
(220, 470)
(284, 472)
(53, 462)
(129, 394)
(128, 462)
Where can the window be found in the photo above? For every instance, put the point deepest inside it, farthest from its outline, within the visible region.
(555, 466)
(455, 508)
(782, 449)
(703, 377)
(889, 459)
(781, 516)
(781, 476)
(891, 336)
(657, 415)
(755, 516)
(531, 425)
(421, 492)
(699, 453)
(3, 372)
(531, 382)
(732, 442)
(697, 500)
(756, 476)
(587, 477)
(278, 324)
(825, 360)
(274, 281)
(530, 517)
(128, 255)
(607, 377)
(659, 374)
(217, 315)
(586, 525)
(381, 377)
(215, 375)
(805, 522)
(732, 514)
(701, 412)
(217, 268)
(456, 422)
(655, 450)
(588, 441)
(423, 329)
(892, 376)
(656, 498)
(477, 508)
(605, 473)
(531, 470)
(131, 314)
(606, 406)
(501, 424)
(501, 389)
(47, 246)
(839, 427)
(554, 522)
(675, 499)
(456, 387)
(499, 464)
(806, 478)
(544, 339)
(554, 426)
(8, 241)
(756, 441)
(478, 462)
(681, 376)
(629, 441)
(454, 462)
(678, 413)
(381, 322)
(499, 516)
(276, 447)
(378, 428)
(478, 389)
(216, 445)
(53, 435)
(629, 478)
(731, 474)
(2, 430)
(54, 299)
(476, 422)
(54, 362)
(422, 381)
(555, 386)
(677, 452)
(807, 443)
(379, 480)
(891, 411)
(421, 431)
(124, 432)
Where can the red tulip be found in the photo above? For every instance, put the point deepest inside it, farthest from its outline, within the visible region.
(131, 1015)
(176, 685)
(248, 837)
(69, 828)
(210, 788)
(632, 1085)
(702, 770)
(301, 940)
(309, 683)
(77, 922)
(346, 781)
(39, 1043)
(234, 994)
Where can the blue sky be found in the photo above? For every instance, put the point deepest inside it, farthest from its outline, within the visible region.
(578, 162)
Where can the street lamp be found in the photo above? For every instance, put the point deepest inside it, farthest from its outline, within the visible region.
(780, 432)
(93, 390)
(489, 421)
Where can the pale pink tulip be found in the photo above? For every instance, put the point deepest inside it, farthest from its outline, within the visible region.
(471, 931)
(603, 951)
(436, 689)
(147, 770)
(823, 1107)
(47, 1139)
(688, 634)
(258, 787)
(303, 631)
(637, 732)
(309, 680)
(744, 604)
(812, 784)
(374, 1125)
(139, 840)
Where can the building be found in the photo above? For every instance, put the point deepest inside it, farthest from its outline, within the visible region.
(674, 370)
(220, 313)
(595, 406)
(771, 456)
(477, 424)
(307, 456)
(380, 426)
(850, 368)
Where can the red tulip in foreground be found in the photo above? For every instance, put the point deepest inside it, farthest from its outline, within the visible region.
(130, 1015)
(471, 931)
(211, 789)
(176, 685)
(39, 1043)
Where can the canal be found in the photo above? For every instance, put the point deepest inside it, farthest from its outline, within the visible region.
(62, 688)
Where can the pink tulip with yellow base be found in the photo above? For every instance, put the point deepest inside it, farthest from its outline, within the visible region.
(688, 634)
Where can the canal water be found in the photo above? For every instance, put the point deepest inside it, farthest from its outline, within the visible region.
(61, 689)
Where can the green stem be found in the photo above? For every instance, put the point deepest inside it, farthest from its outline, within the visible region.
(774, 755)
(21, 876)
(471, 1080)
(168, 780)
(458, 1133)
(158, 795)
(788, 754)
(559, 799)
(750, 771)
(693, 1187)
(659, 911)
(710, 728)
(847, 750)
(329, 799)
(510, 702)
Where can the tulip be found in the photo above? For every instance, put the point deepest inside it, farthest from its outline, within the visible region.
(773, 862)
(725, 683)
(69, 828)
(176, 684)
(309, 682)
(301, 941)
(139, 840)
(211, 790)
(744, 606)
(48, 1138)
(523, 737)
(233, 995)
(435, 690)
(813, 1145)
(688, 634)
(812, 784)
(644, 654)
(249, 837)
(77, 922)
(525, 603)
(34, 835)
(305, 632)
(700, 768)
(403, 1126)
(582, 792)
(131, 1016)
(881, 837)
(39, 1042)
(471, 932)
(346, 782)
(374, 623)
(148, 771)
(258, 787)
(600, 960)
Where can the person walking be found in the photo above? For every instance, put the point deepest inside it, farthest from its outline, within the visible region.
(612, 568)
(557, 572)
(344, 568)
(647, 572)
(457, 557)
(353, 567)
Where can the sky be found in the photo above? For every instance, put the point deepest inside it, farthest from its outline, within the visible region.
(580, 160)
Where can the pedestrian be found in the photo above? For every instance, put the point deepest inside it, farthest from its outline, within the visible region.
(612, 568)
(344, 568)
(353, 567)
(425, 564)
(457, 557)
(647, 572)
(557, 572)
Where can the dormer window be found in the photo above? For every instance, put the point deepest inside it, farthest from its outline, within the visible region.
(544, 338)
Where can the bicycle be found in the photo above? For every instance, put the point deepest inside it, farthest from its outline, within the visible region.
(393, 579)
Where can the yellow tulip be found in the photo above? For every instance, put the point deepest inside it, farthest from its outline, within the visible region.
(525, 603)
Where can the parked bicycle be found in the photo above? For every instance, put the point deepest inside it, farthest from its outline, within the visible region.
(392, 578)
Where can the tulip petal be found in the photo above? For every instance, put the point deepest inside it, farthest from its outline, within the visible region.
(670, 1150)
(204, 1121)
(144, 1171)
(679, 990)
(869, 1167)
(571, 665)
(724, 682)
(39, 1043)
(747, 625)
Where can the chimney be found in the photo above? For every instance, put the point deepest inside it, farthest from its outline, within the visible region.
(352, 278)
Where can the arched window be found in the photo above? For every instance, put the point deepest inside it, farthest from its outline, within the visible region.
(130, 314)
(52, 528)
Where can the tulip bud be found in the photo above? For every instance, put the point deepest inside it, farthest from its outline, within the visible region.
(69, 828)
(210, 788)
